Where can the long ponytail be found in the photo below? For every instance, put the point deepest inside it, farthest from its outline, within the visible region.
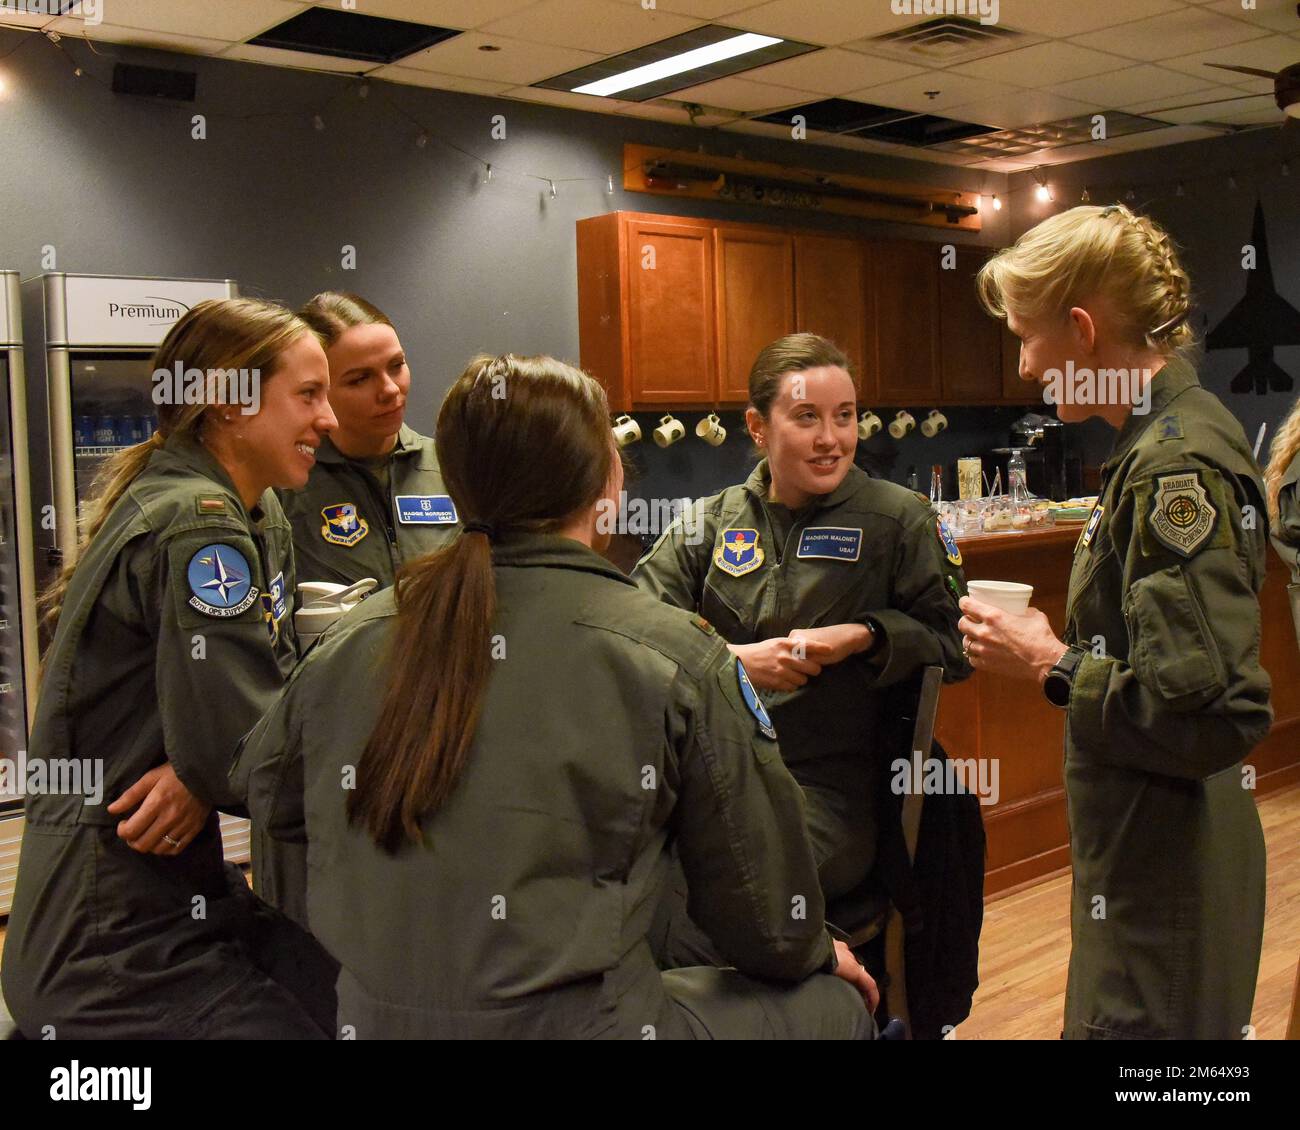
(1281, 452)
(503, 421)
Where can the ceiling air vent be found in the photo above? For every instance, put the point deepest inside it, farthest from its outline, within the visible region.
(947, 39)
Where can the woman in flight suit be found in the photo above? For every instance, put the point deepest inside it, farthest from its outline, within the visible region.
(1161, 682)
(374, 498)
(828, 584)
(1283, 482)
(173, 636)
(514, 706)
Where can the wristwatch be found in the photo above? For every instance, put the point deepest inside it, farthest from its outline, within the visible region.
(1060, 679)
(877, 636)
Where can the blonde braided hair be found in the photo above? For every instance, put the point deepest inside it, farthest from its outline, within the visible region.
(1084, 253)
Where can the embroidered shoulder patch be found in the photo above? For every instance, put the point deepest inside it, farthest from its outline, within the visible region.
(737, 552)
(949, 543)
(220, 581)
(1182, 516)
(343, 525)
(755, 704)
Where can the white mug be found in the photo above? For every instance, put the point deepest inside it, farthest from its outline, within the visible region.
(901, 424)
(626, 430)
(710, 430)
(669, 431)
(1010, 596)
(868, 424)
(323, 602)
(933, 424)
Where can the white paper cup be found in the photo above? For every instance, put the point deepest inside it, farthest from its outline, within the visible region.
(1010, 596)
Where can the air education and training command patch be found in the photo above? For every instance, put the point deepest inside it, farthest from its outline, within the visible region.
(737, 552)
(220, 582)
(343, 525)
(755, 704)
(1182, 516)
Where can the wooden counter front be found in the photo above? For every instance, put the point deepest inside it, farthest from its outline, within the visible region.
(990, 716)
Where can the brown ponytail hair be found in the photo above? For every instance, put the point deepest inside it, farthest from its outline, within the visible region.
(331, 313)
(219, 334)
(523, 444)
(793, 353)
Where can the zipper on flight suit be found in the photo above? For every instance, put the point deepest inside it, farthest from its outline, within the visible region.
(385, 508)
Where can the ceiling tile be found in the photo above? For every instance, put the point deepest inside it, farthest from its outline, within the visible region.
(138, 37)
(1133, 84)
(603, 26)
(1206, 97)
(231, 20)
(1275, 15)
(1072, 17)
(1271, 53)
(954, 90)
(409, 76)
(1044, 64)
(1154, 138)
(1259, 108)
(444, 13)
(1171, 36)
(299, 60)
(832, 71)
(700, 9)
(1025, 107)
(821, 22)
(516, 63)
(740, 94)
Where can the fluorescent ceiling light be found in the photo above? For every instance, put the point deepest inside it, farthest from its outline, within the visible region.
(676, 64)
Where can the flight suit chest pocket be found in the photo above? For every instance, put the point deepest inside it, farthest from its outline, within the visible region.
(1172, 648)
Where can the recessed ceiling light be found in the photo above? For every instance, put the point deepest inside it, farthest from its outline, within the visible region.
(678, 64)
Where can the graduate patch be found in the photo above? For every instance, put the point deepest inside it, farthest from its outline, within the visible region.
(1182, 515)
(274, 607)
(221, 583)
(755, 704)
(343, 525)
(948, 542)
(426, 509)
(838, 543)
(738, 553)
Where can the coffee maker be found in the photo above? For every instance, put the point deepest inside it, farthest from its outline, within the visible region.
(1043, 441)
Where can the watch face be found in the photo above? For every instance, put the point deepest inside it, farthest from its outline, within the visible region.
(1056, 688)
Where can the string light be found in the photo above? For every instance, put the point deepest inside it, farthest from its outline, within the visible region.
(487, 175)
(609, 184)
(1085, 198)
(997, 204)
(319, 123)
(421, 139)
(1044, 190)
(554, 191)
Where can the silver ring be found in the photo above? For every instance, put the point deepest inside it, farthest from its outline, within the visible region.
(965, 645)
(174, 843)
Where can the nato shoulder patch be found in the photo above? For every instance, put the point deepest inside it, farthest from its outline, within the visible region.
(755, 704)
(1182, 516)
(220, 581)
(1169, 427)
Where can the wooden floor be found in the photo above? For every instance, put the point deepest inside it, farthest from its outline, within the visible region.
(1026, 944)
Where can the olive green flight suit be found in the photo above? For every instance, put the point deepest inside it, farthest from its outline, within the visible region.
(174, 637)
(868, 552)
(1286, 536)
(385, 526)
(1165, 842)
(611, 726)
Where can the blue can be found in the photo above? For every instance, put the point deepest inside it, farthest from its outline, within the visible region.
(105, 431)
(144, 428)
(84, 431)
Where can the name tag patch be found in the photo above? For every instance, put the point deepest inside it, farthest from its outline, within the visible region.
(426, 510)
(274, 606)
(1094, 520)
(836, 543)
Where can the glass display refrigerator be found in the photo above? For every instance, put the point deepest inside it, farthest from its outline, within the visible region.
(98, 335)
(18, 643)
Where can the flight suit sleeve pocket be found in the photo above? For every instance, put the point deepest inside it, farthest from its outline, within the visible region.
(1174, 650)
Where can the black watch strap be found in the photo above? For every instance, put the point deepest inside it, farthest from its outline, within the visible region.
(1060, 679)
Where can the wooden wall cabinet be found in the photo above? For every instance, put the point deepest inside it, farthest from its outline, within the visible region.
(905, 286)
(672, 312)
(832, 298)
(970, 355)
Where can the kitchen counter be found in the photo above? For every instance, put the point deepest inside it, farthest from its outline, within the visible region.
(990, 716)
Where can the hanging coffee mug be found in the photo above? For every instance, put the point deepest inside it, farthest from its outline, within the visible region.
(901, 424)
(626, 430)
(869, 424)
(710, 430)
(669, 431)
(933, 424)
